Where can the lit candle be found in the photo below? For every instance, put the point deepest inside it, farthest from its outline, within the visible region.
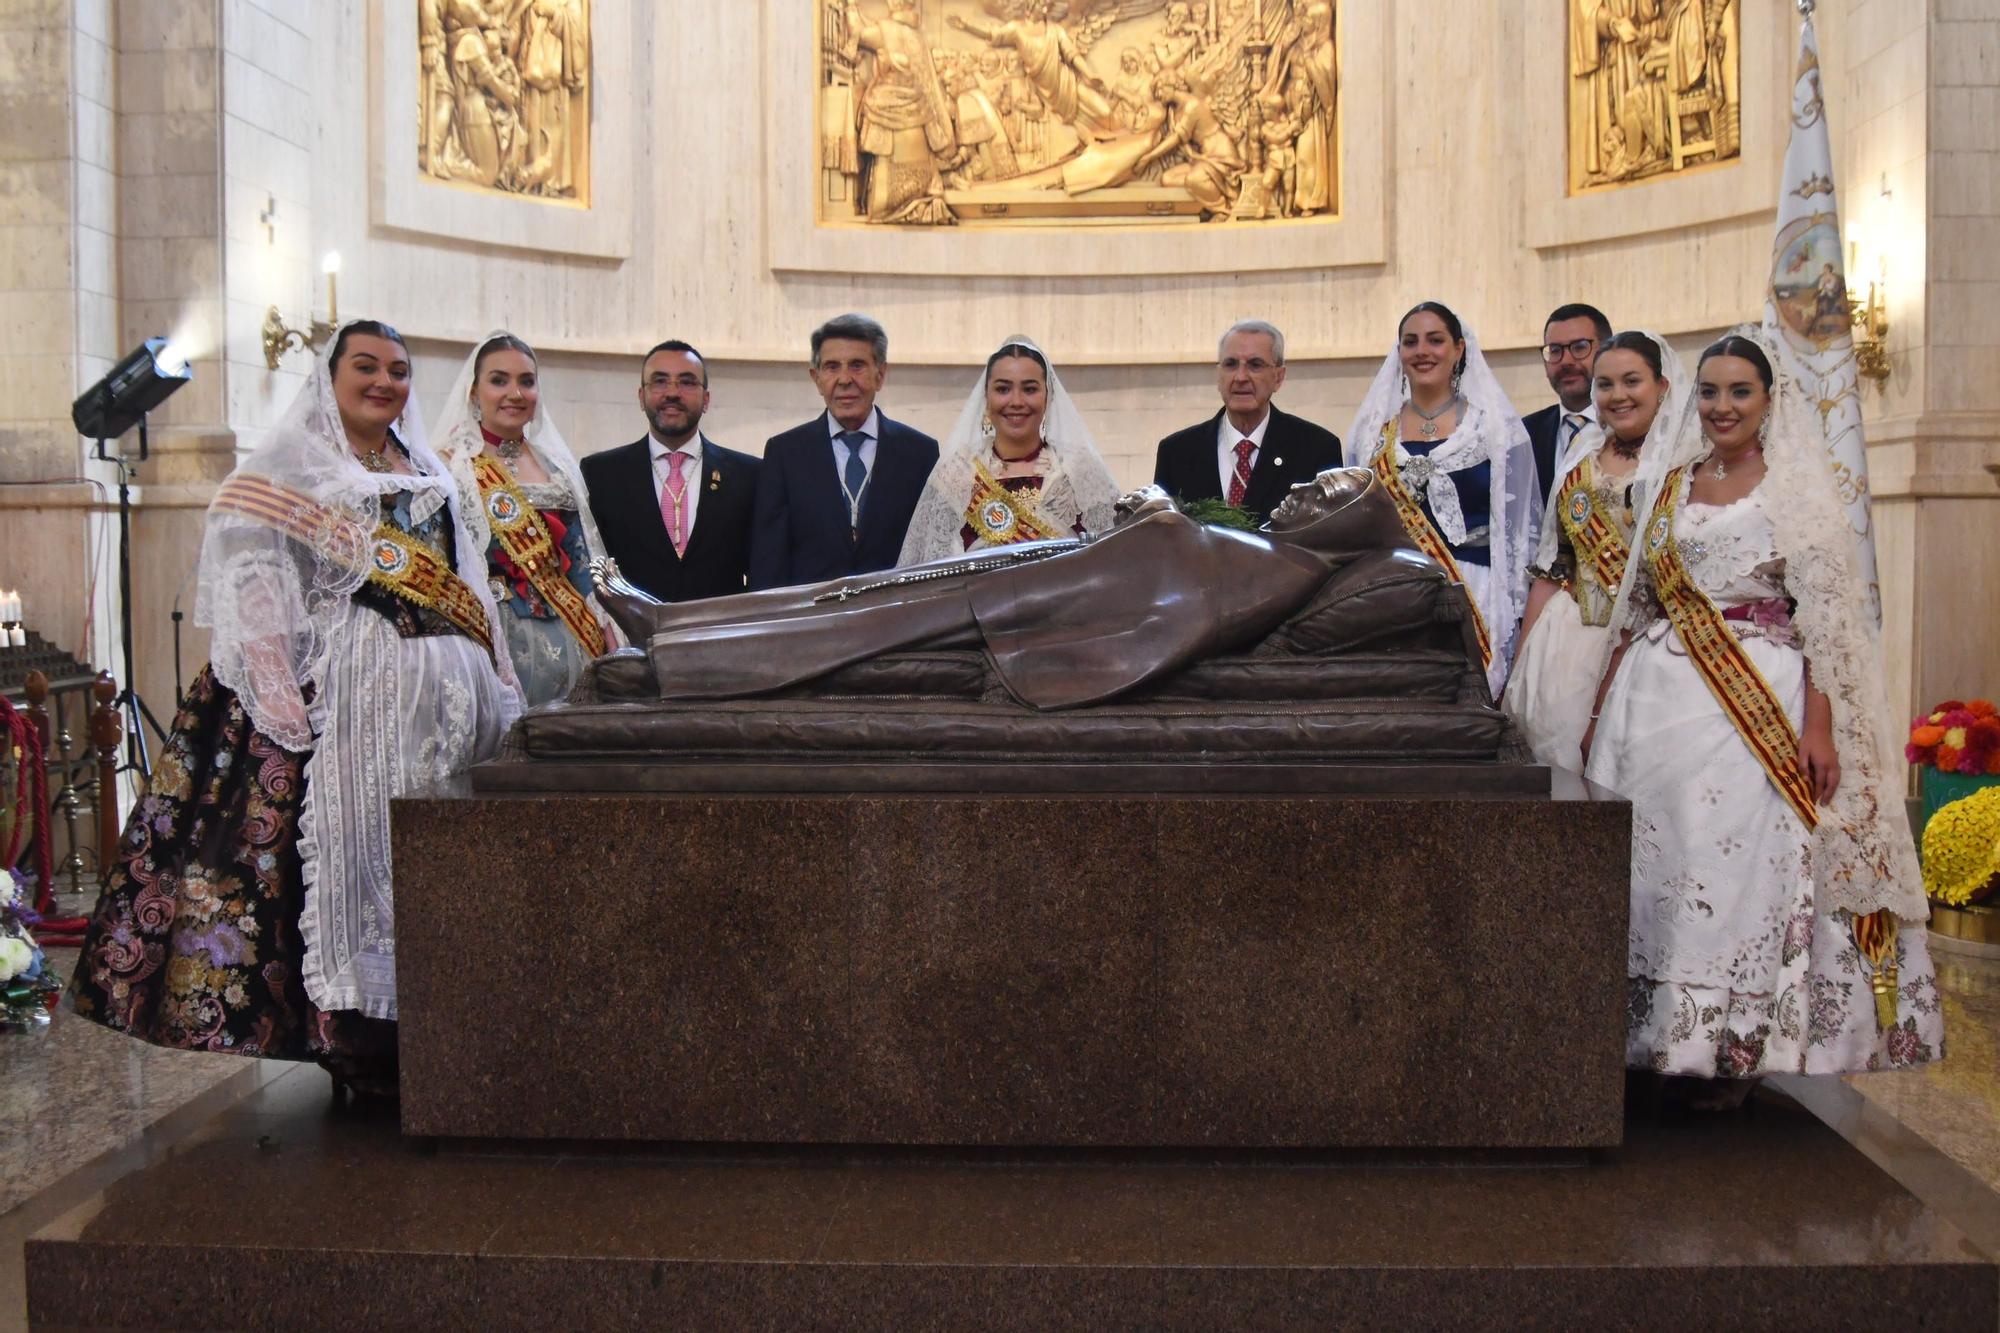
(330, 265)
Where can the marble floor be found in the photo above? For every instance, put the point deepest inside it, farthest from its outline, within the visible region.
(1955, 1104)
(83, 1107)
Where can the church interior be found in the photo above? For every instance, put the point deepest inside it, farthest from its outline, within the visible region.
(808, 916)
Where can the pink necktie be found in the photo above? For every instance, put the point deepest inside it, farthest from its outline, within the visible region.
(1239, 481)
(673, 502)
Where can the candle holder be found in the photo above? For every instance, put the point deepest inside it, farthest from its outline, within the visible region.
(280, 338)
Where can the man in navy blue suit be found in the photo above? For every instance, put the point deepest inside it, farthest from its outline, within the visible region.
(834, 496)
(1570, 340)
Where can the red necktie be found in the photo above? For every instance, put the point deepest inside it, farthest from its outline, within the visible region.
(1239, 481)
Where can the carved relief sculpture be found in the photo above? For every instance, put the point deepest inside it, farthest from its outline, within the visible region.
(936, 112)
(1653, 88)
(504, 95)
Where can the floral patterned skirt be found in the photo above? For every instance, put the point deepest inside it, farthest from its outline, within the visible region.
(195, 942)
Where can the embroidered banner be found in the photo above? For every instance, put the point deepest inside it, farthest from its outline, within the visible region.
(525, 537)
(388, 557)
(1425, 535)
(1746, 697)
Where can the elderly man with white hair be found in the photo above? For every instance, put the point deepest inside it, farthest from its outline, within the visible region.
(1249, 453)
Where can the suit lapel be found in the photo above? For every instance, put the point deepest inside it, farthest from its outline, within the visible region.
(821, 456)
(892, 460)
(642, 506)
(1266, 474)
(1199, 459)
(713, 482)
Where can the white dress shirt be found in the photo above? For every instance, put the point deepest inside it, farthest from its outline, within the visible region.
(690, 472)
(1226, 437)
(872, 428)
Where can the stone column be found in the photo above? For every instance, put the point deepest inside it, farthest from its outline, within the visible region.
(1915, 93)
(58, 292)
(157, 164)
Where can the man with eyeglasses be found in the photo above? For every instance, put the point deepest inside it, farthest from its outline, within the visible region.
(674, 507)
(1570, 340)
(1249, 453)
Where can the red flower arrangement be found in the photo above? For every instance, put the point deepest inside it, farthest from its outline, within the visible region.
(1957, 737)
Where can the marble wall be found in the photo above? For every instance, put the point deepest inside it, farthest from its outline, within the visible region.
(1458, 198)
(201, 155)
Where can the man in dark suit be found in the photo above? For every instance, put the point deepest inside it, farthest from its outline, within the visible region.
(674, 507)
(1249, 453)
(1570, 340)
(835, 495)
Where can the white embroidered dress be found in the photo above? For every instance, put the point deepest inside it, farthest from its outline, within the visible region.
(1736, 967)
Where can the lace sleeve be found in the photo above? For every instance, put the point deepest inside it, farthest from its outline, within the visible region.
(260, 639)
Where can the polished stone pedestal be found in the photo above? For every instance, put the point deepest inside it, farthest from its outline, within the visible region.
(291, 1217)
(1299, 969)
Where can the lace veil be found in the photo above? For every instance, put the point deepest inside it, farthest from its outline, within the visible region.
(1488, 429)
(459, 441)
(270, 598)
(1862, 857)
(1077, 481)
(1660, 438)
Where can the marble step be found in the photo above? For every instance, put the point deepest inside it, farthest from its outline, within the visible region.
(284, 1215)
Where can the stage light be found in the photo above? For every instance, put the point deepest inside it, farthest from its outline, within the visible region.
(147, 377)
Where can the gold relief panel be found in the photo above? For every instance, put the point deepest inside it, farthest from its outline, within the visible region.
(1013, 113)
(503, 101)
(1654, 89)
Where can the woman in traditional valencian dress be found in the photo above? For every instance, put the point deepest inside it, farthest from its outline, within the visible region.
(1640, 386)
(522, 497)
(1777, 910)
(1019, 466)
(352, 659)
(1451, 451)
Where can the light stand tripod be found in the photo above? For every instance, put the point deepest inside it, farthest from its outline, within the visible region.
(143, 379)
(137, 759)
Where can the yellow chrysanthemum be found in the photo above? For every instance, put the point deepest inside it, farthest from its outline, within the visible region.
(1962, 848)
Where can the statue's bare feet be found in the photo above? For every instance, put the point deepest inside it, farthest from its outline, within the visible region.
(629, 607)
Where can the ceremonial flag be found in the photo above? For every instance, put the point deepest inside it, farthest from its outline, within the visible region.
(1805, 308)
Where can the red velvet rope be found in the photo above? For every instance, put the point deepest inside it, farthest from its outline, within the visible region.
(27, 741)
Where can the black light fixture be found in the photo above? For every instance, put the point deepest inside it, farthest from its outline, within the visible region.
(146, 377)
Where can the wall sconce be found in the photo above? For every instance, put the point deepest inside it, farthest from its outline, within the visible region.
(279, 339)
(1870, 318)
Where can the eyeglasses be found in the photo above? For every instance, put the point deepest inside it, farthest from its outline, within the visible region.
(1256, 365)
(1578, 350)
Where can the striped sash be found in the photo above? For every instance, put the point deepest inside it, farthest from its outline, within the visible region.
(1594, 537)
(1424, 534)
(388, 557)
(1004, 517)
(1738, 686)
(524, 535)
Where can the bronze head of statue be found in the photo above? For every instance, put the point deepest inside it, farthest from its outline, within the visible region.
(1339, 513)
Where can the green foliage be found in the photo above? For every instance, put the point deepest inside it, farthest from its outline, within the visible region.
(1218, 514)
